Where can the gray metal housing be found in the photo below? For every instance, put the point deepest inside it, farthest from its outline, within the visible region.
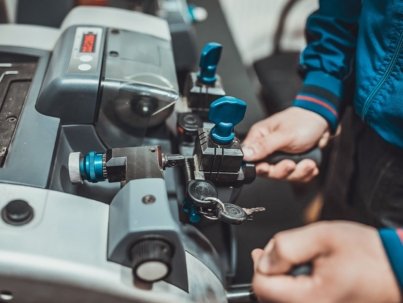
(60, 256)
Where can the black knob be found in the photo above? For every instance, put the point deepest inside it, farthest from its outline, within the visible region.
(188, 124)
(17, 212)
(151, 259)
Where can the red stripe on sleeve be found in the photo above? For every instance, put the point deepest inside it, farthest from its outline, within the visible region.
(400, 234)
(317, 101)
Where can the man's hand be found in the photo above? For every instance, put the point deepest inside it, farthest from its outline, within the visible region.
(349, 265)
(293, 130)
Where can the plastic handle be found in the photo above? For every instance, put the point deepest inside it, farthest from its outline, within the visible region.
(209, 58)
(246, 294)
(314, 154)
(301, 270)
(225, 113)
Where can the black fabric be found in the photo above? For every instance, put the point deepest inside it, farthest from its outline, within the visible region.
(279, 79)
(365, 182)
(3, 12)
(278, 73)
(44, 12)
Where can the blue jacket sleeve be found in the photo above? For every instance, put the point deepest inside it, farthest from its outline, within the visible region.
(393, 243)
(327, 60)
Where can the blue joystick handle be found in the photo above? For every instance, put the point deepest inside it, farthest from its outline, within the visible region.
(225, 113)
(209, 58)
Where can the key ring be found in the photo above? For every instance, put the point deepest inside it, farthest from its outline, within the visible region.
(215, 200)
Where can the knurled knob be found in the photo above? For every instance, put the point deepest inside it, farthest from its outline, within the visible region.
(151, 259)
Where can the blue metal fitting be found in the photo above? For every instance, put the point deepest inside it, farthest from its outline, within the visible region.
(225, 113)
(209, 58)
(189, 209)
(92, 167)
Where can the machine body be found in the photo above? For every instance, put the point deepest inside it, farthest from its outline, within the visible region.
(106, 80)
(101, 201)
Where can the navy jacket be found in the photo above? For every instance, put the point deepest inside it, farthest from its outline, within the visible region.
(359, 42)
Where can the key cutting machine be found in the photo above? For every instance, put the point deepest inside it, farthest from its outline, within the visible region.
(86, 104)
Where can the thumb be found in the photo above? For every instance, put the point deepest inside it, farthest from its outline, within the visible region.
(259, 148)
(294, 247)
(256, 254)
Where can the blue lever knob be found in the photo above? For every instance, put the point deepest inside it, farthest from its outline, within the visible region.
(225, 113)
(92, 167)
(209, 58)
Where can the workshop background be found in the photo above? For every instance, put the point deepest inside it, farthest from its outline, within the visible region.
(247, 30)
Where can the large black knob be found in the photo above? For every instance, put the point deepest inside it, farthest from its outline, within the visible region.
(151, 259)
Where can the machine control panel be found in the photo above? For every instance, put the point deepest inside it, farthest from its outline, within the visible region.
(86, 50)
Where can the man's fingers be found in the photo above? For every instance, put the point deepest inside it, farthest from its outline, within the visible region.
(324, 140)
(304, 171)
(294, 247)
(263, 146)
(309, 177)
(256, 254)
(282, 169)
(263, 169)
(279, 171)
(283, 288)
(256, 133)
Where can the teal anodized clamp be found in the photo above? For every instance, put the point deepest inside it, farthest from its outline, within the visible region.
(209, 58)
(225, 113)
(189, 209)
(92, 167)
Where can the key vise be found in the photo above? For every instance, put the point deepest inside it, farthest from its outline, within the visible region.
(218, 154)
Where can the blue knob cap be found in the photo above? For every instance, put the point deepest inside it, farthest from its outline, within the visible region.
(225, 113)
(209, 58)
(191, 211)
(92, 167)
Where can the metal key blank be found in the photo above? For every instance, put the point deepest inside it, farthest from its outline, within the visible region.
(250, 211)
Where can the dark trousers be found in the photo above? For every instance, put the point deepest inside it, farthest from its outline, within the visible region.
(365, 177)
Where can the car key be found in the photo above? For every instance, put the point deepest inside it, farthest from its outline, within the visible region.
(234, 214)
(231, 214)
(200, 190)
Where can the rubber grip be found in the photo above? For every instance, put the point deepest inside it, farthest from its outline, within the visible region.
(314, 154)
(301, 270)
(298, 270)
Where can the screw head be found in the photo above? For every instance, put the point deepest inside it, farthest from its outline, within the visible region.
(148, 199)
